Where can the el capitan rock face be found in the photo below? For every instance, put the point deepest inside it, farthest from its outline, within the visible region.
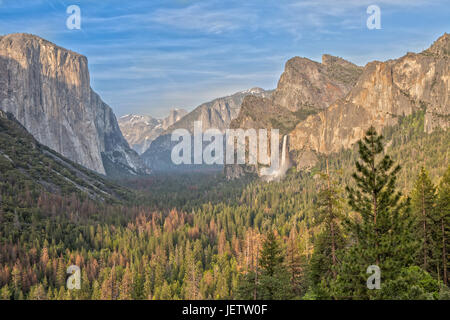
(47, 88)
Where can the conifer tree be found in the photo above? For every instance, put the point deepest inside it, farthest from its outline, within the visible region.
(192, 276)
(165, 292)
(423, 198)
(295, 264)
(126, 286)
(16, 281)
(324, 261)
(96, 293)
(381, 230)
(147, 290)
(61, 274)
(274, 275)
(5, 293)
(85, 286)
(443, 221)
(37, 292)
(248, 286)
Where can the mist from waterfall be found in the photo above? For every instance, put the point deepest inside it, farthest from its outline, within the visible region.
(284, 166)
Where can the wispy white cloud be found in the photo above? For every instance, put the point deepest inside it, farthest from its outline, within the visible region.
(150, 55)
(204, 17)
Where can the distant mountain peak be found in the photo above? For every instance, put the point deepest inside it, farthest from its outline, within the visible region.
(141, 130)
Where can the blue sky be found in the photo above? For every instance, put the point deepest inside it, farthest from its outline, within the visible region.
(146, 57)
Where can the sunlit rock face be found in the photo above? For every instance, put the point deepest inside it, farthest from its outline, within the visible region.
(384, 92)
(47, 88)
(305, 87)
(306, 83)
(325, 107)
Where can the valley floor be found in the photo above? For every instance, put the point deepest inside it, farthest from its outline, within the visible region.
(199, 236)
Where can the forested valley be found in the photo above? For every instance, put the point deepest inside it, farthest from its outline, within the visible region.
(312, 235)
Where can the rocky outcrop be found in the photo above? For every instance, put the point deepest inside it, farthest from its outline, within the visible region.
(309, 84)
(261, 113)
(217, 114)
(326, 107)
(47, 89)
(140, 131)
(384, 92)
(306, 87)
(174, 116)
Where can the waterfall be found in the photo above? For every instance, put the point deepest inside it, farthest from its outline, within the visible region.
(283, 167)
(283, 153)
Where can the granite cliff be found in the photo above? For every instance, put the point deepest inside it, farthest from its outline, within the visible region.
(384, 92)
(325, 107)
(47, 89)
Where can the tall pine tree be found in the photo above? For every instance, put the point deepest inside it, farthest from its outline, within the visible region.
(324, 261)
(275, 282)
(443, 234)
(423, 198)
(295, 264)
(271, 280)
(380, 232)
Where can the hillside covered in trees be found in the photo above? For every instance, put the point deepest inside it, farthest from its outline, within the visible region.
(198, 236)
